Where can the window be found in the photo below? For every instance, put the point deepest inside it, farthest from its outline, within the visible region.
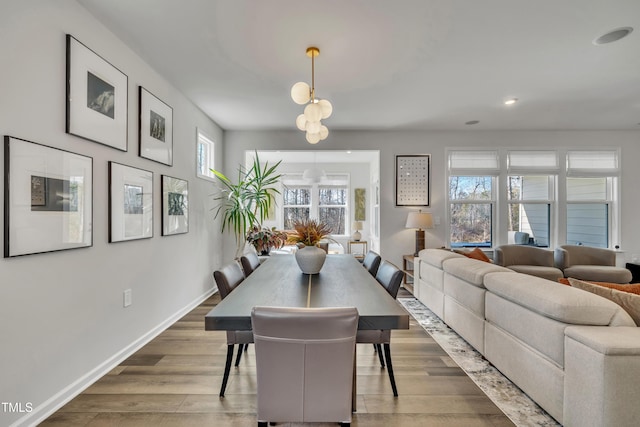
(205, 157)
(471, 210)
(591, 188)
(529, 204)
(472, 180)
(327, 201)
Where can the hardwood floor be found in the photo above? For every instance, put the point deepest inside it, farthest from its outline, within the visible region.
(174, 381)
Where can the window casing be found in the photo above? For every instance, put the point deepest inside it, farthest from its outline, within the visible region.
(205, 156)
(327, 201)
(542, 197)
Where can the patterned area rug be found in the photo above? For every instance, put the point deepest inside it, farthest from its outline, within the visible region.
(508, 397)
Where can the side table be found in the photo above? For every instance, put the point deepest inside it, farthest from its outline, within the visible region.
(358, 248)
(407, 267)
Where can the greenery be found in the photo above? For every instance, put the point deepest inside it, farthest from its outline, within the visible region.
(309, 232)
(246, 203)
(264, 239)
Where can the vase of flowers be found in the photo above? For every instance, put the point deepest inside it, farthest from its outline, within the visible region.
(306, 235)
(264, 239)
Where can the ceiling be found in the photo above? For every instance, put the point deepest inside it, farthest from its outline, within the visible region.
(389, 65)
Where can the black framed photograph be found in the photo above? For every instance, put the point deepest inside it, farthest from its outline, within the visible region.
(413, 180)
(48, 199)
(175, 206)
(156, 128)
(97, 95)
(130, 203)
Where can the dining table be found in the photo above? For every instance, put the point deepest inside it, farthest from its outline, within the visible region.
(279, 282)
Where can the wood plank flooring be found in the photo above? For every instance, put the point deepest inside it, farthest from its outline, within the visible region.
(175, 379)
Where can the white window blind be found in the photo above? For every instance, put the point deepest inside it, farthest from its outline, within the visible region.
(532, 160)
(602, 162)
(473, 161)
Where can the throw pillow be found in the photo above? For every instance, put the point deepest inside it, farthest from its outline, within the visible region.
(628, 301)
(564, 281)
(477, 254)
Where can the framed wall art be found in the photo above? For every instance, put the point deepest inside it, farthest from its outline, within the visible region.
(96, 97)
(130, 203)
(360, 204)
(156, 128)
(412, 180)
(175, 206)
(48, 199)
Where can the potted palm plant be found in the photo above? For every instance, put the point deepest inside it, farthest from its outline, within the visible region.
(246, 203)
(306, 235)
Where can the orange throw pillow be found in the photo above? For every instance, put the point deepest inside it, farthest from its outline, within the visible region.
(632, 289)
(478, 254)
(564, 281)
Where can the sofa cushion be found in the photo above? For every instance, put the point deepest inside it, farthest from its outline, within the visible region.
(435, 257)
(471, 270)
(549, 273)
(551, 299)
(630, 302)
(598, 273)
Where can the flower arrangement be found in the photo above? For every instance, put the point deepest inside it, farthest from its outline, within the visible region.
(265, 239)
(309, 232)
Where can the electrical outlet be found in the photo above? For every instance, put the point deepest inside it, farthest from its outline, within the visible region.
(127, 297)
(436, 220)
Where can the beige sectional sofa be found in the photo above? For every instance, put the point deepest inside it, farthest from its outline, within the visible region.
(575, 353)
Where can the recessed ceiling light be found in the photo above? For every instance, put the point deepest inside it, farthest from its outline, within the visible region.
(613, 36)
(472, 122)
(510, 101)
(348, 151)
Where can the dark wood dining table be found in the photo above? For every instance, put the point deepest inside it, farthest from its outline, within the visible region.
(278, 282)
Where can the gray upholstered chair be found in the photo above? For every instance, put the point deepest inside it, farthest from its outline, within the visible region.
(228, 278)
(588, 263)
(390, 277)
(371, 262)
(304, 363)
(528, 260)
(250, 262)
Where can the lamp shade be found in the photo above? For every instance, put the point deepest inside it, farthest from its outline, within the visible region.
(419, 220)
(357, 225)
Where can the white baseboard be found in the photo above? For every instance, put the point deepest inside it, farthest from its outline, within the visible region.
(57, 401)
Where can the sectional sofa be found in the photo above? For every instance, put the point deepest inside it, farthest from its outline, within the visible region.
(575, 353)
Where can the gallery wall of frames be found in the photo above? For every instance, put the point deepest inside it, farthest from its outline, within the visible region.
(49, 192)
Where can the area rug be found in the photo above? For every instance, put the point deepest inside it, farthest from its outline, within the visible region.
(516, 405)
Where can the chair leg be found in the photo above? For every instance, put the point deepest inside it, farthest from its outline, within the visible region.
(227, 368)
(380, 356)
(345, 424)
(262, 424)
(387, 355)
(240, 348)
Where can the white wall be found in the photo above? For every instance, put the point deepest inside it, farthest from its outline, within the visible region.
(395, 240)
(62, 321)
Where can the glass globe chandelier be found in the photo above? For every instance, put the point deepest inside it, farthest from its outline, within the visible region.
(310, 120)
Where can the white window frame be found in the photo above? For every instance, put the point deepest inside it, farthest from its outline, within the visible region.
(203, 140)
(332, 180)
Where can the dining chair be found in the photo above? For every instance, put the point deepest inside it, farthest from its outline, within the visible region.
(390, 277)
(305, 361)
(228, 278)
(250, 262)
(372, 262)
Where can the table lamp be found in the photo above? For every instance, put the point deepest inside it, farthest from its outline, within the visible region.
(419, 220)
(356, 236)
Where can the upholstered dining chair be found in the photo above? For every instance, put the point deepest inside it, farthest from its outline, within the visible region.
(228, 278)
(371, 262)
(304, 363)
(390, 277)
(250, 262)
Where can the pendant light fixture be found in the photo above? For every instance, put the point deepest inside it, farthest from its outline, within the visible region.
(316, 109)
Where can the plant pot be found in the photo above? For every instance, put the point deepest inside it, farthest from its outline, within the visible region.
(310, 259)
